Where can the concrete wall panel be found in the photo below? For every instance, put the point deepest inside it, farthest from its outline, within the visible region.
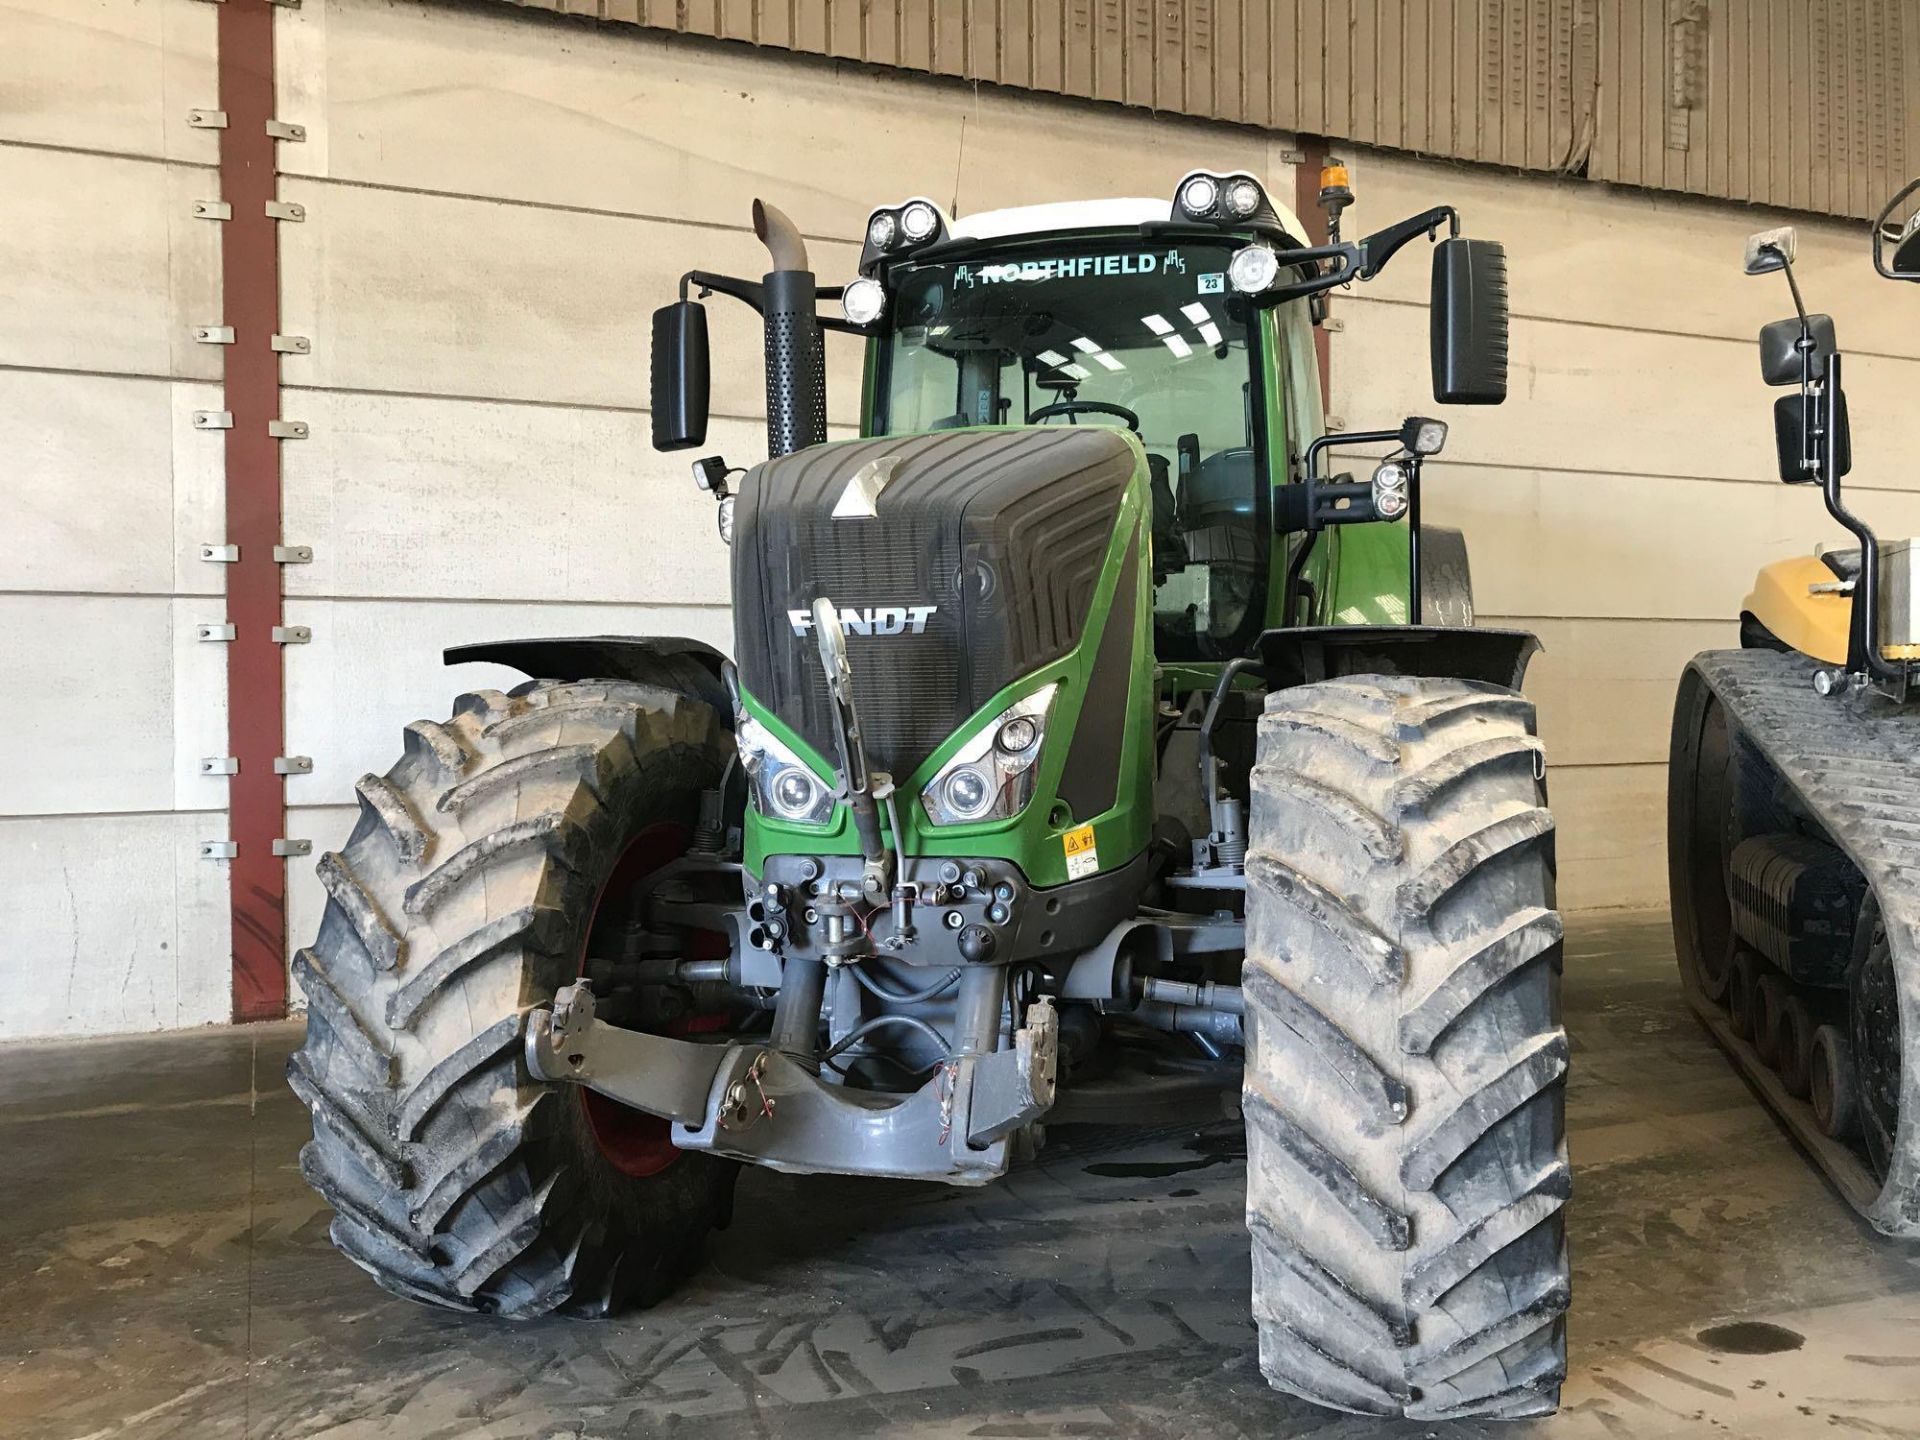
(115, 924)
(110, 75)
(104, 267)
(425, 294)
(405, 496)
(1610, 836)
(1628, 259)
(108, 485)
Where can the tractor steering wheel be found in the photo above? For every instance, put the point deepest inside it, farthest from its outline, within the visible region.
(1090, 407)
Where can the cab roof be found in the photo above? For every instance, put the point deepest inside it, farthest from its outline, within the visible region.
(1071, 215)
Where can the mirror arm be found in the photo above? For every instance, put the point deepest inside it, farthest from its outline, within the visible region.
(1346, 268)
(1378, 248)
(749, 291)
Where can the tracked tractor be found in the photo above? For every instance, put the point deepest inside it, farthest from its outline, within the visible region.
(1092, 752)
(1794, 798)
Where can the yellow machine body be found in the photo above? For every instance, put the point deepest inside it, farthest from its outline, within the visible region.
(1814, 622)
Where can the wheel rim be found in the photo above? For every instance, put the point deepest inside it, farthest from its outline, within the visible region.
(633, 1142)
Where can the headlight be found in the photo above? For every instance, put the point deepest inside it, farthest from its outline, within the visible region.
(1253, 268)
(1198, 194)
(918, 221)
(725, 519)
(993, 774)
(863, 301)
(1390, 495)
(1243, 198)
(880, 230)
(784, 786)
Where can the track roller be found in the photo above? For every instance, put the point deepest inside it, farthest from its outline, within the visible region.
(1831, 1084)
(1769, 1018)
(1794, 1036)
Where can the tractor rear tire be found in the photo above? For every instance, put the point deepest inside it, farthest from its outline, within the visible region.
(461, 901)
(1406, 1065)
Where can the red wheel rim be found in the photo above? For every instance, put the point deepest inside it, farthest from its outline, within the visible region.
(633, 1142)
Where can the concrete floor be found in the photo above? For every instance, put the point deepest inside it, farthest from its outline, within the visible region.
(165, 1272)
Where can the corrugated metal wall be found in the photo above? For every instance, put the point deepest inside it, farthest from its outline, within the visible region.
(1796, 103)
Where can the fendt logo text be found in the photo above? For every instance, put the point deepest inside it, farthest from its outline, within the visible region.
(871, 619)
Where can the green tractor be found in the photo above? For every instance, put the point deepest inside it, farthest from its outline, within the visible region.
(1091, 753)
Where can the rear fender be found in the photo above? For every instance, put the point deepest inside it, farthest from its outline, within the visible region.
(691, 666)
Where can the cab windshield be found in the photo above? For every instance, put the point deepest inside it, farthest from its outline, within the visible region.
(1150, 338)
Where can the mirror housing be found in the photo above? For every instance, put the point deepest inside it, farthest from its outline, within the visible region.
(1790, 438)
(1770, 250)
(680, 377)
(1469, 322)
(1780, 349)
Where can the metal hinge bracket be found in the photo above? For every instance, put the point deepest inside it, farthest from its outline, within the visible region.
(284, 130)
(207, 119)
(1333, 325)
(213, 419)
(292, 344)
(220, 554)
(293, 764)
(287, 429)
(219, 630)
(291, 634)
(286, 210)
(293, 847)
(218, 849)
(293, 554)
(213, 334)
(1293, 157)
(220, 765)
(212, 210)
(1336, 422)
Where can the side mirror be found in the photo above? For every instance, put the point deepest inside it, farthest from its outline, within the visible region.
(680, 379)
(1469, 319)
(1770, 250)
(1780, 349)
(1791, 441)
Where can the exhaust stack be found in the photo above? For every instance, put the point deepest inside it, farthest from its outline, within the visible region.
(796, 366)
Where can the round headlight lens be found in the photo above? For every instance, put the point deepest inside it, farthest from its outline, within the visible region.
(1243, 198)
(1018, 734)
(969, 793)
(1390, 490)
(1198, 194)
(880, 230)
(1253, 269)
(793, 793)
(918, 220)
(863, 301)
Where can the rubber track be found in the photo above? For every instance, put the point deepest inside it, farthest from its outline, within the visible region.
(1401, 984)
(1823, 747)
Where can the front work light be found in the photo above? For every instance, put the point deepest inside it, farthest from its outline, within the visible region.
(1422, 436)
(1198, 194)
(880, 230)
(1253, 268)
(919, 221)
(1243, 198)
(863, 301)
(1390, 490)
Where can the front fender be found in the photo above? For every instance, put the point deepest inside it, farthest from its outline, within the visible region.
(673, 661)
(1309, 653)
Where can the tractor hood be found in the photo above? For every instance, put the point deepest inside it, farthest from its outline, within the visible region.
(959, 561)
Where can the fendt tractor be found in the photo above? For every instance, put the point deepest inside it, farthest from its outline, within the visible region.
(1794, 799)
(1089, 755)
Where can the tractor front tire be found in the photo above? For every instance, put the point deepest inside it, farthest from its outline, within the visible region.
(463, 900)
(1406, 1065)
